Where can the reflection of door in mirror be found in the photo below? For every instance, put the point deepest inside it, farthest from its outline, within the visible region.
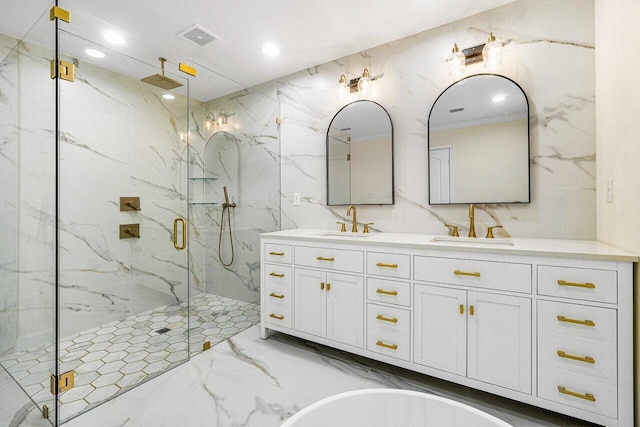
(484, 119)
(440, 174)
(340, 176)
(360, 156)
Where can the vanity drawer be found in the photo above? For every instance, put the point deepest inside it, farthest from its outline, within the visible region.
(577, 356)
(389, 319)
(331, 259)
(602, 397)
(579, 283)
(277, 253)
(473, 273)
(277, 311)
(388, 343)
(389, 291)
(391, 265)
(577, 320)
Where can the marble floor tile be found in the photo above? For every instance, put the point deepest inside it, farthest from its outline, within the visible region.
(141, 347)
(247, 381)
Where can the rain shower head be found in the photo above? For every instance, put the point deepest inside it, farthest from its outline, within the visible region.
(160, 80)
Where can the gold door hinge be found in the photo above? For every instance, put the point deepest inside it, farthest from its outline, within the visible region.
(59, 13)
(206, 346)
(63, 383)
(64, 70)
(278, 120)
(348, 157)
(45, 411)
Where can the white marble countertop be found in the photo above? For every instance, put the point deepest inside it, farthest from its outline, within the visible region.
(585, 249)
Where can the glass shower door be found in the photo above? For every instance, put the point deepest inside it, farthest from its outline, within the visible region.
(27, 212)
(124, 303)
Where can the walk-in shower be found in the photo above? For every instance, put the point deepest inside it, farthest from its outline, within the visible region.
(98, 296)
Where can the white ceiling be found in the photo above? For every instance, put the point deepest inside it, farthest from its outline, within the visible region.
(308, 32)
(475, 96)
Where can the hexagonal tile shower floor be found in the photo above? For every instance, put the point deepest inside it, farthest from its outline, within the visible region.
(115, 357)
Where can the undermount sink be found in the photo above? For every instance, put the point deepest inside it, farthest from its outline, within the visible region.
(472, 241)
(343, 234)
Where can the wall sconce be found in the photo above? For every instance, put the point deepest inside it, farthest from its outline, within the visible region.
(490, 53)
(211, 121)
(360, 84)
(184, 136)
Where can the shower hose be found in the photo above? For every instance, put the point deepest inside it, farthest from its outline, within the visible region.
(226, 207)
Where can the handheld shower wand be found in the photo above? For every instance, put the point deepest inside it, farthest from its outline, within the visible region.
(226, 207)
(226, 199)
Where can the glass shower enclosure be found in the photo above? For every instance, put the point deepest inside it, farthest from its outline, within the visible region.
(94, 278)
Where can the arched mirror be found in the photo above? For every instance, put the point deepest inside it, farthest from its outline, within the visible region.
(479, 143)
(360, 156)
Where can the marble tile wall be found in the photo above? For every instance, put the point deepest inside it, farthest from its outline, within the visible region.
(118, 138)
(27, 196)
(8, 193)
(242, 155)
(549, 51)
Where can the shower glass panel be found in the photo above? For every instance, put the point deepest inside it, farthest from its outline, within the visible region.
(27, 210)
(124, 272)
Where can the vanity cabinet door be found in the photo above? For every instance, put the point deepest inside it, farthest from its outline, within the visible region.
(441, 328)
(345, 309)
(500, 340)
(310, 302)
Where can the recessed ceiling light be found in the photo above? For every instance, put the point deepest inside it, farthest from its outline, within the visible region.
(168, 96)
(94, 53)
(113, 37)
(270, 49)
(499, 98)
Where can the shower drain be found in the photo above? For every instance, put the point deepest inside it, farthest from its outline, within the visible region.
(163, 330)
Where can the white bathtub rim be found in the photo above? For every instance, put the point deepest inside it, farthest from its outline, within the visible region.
(386, 391)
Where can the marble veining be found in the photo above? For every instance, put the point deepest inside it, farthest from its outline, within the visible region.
(111, 359)
(246, 381)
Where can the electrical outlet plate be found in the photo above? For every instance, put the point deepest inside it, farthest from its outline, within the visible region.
(296, 199)
(609, 191)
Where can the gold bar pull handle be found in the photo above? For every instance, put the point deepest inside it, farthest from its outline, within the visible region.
(387, 319)
(175, 233)
(382, 291)
(471, 310)
(276, 295)
(585, 359)
(587, 396)
(461, 308)
(465, 273)
(382, 264)
(275, 316)
(576, 285)
(276, 253)
(328, 286)
(576, 321)
(322, 285)
(321, 258)
(276, 274)
(390, 346)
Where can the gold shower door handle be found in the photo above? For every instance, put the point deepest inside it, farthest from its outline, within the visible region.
(175, 233)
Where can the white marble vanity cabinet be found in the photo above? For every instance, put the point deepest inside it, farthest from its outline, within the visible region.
(545, 322)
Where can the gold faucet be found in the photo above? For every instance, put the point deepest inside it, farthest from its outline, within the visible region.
(354, 228)
(472, 228)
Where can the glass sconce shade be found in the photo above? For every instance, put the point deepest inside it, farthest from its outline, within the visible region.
(364, 83)
(342, 88)
(456, 62)
(210, 121)
(492, 52)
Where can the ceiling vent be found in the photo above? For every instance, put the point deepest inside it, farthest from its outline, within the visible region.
(198, 36)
